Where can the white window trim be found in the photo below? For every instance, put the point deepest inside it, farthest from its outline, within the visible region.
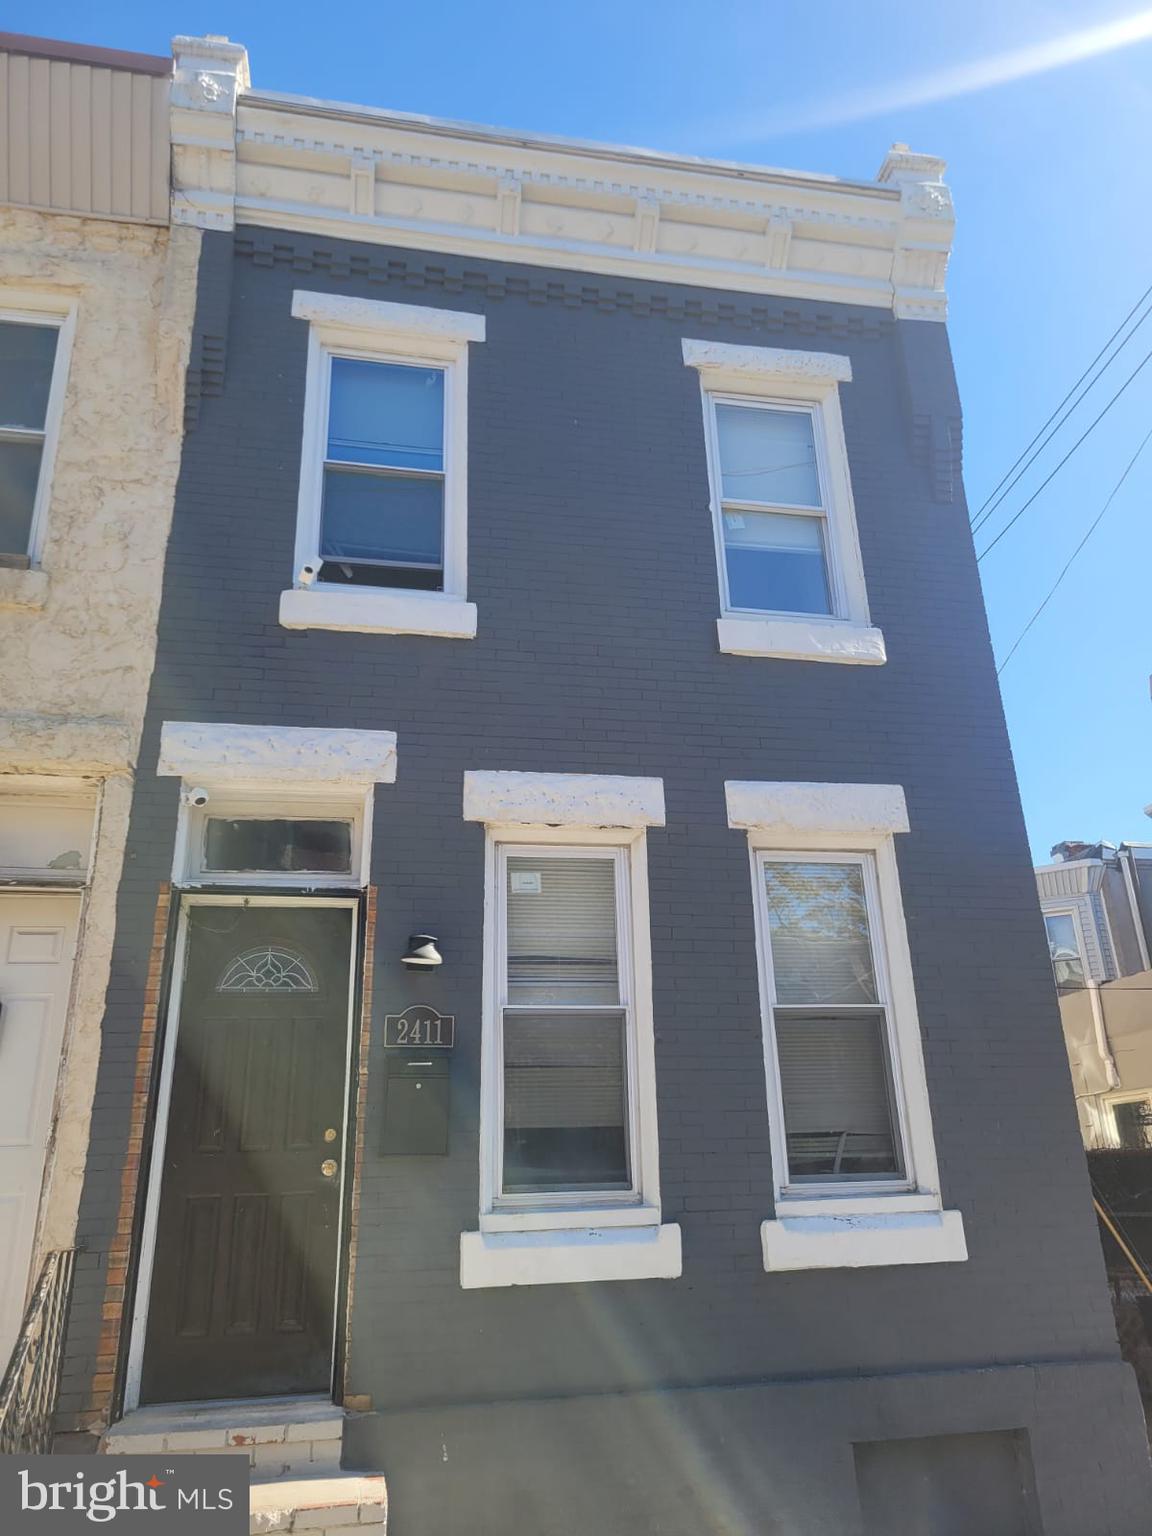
(267, 802)
(22, 307)
(849, 1225)
(791, 380)
(397, 333)
(567, 1239)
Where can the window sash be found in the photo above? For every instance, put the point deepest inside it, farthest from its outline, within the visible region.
(820, 1185)
(385, 472)
(837, 601)
(587, 1197)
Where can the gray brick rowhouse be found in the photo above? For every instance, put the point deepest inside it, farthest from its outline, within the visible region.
(749, 1196)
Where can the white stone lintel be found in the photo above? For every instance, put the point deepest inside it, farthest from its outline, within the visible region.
(381, 315)
(767, 363)
(793, 810)
(861, 1242)
(563, 799)
(198, 750)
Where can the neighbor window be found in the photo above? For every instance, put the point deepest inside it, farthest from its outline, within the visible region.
(1064, 948)
(831, 1019)
(566, 1025)
(773, 518)
(1133, 1119)
(28, 354)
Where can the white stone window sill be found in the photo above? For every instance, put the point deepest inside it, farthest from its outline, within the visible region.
(802, 640)
(22, 588)
(858, 1242)
(571, 1256)
(378, 613)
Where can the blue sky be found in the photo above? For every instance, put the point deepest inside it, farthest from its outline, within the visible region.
(1049, 172)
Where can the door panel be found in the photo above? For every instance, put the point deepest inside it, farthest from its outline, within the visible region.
(243, 1283)
(37, 943)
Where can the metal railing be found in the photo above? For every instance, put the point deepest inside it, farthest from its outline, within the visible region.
(31, 1382)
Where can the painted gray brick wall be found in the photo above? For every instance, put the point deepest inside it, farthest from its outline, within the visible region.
(591, 561)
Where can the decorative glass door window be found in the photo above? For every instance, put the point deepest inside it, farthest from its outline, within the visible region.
(565, 1026)
(382, 513)
(831, 1020)
(772, 508)
(27, 362)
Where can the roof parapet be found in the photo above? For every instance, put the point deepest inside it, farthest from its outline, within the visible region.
(295, 163)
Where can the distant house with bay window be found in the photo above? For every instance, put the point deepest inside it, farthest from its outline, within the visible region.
(1097, 905)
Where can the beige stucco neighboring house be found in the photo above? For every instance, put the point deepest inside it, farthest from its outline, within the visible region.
(96, 299)
(1097, 905)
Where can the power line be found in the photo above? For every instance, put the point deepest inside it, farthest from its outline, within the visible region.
(994, 499)
(1048, 480)
(1071, 558)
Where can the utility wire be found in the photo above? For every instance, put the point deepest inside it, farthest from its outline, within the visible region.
(1071, 558)
(1048, 480)
(996, 496)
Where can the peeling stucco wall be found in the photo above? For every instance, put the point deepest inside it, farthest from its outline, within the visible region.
(88, 650)
(75, 663)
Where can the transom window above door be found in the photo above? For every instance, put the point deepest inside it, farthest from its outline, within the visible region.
(289, 840)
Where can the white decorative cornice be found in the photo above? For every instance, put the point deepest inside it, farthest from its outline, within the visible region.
(334, 309)
(420, 183)
(563, 799)
(283, 754)
(208, 74)
(767, 363)
(1075, 877)
(790, 811)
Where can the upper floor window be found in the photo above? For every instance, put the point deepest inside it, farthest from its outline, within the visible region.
(383, 495)
(381, 538)
(791, 578)
(773, 520)
(1066, 951)
(31, 387)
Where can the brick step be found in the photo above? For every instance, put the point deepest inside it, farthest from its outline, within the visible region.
(337, 1504)
(281, 1437)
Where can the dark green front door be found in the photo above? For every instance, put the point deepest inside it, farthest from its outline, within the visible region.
(243, 1283)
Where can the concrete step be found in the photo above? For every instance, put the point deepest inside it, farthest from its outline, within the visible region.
(281, 1437)
(337, 1504)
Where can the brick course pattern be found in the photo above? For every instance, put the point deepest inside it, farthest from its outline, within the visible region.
(591, 562)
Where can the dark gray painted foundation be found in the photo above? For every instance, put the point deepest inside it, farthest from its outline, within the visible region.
(728, 1400)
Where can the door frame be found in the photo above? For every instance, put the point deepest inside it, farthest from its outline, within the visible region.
(155, 1175)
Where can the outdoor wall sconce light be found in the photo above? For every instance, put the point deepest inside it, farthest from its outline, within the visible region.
(421, 954)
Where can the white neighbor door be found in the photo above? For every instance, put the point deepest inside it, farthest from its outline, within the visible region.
(37, 942)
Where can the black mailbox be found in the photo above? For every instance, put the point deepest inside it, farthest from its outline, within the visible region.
(416, 1107)
(416, 1082)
